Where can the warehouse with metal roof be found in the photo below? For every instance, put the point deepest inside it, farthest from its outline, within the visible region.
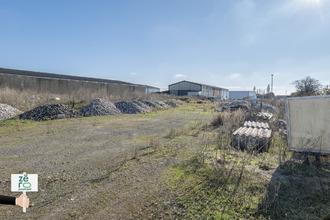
(186, 88)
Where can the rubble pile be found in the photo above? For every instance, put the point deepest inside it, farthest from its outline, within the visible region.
(269, 108)
(173, 104)
(100, 107)
(161, 104)
(7, 112)
(127, 107)
(151, 104)
(51, 112)
(235, 105)
(142, 105)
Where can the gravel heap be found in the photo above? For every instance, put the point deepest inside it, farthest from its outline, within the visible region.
(150, 104)
(100, 107)
(51, 112)
(142, 105)
(162, 104)
(7, 112)
(173, 104)
(128, 107)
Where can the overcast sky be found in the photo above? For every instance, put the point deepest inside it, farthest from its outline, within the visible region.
(236, 44)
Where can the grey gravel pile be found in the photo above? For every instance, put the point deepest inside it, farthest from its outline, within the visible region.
(127, 107)
(162, 104)
(173, 104)
(51, 112)
(142, 105)
(7, 112)
(100, 107)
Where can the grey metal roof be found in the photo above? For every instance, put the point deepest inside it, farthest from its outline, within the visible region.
(200, 84)
(60, 76)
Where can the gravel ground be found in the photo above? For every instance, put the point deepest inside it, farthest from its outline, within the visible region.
(77, 162)
(100, 107)
(51, 112)
(7, 112)
(129, 107)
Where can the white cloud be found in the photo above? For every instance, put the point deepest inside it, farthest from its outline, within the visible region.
(133, 74)
(234, 75)
(180, 76)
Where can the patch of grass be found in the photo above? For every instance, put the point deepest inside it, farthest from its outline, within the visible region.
(203, 192)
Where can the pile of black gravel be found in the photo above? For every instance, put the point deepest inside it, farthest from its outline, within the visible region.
(51, 112)
(129, 107)
(100, 107)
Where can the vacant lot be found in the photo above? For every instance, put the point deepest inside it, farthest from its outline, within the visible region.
(93, 164)
(166, 164)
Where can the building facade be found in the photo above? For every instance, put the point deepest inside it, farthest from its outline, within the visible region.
(186, 88)
(242, 94)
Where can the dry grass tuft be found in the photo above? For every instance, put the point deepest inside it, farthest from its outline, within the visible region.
(228, 120)
(21, 99)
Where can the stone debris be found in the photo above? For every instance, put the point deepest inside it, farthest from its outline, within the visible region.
(268, 108)
(265, 115)
(51, 112)
(33, 97)
(162, 104)
(128, 107)
(7, 112)
(235, 105)
(173, 104)
(142, 105)
(151, 104)
(100, 107)
(280, 124)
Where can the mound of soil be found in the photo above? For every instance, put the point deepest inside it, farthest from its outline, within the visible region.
(129, 107)
(100, 107)
(51, 112)
(7, 112)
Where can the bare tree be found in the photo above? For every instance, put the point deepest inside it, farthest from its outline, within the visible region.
(307, 87)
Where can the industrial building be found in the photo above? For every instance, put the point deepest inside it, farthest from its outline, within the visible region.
(67, 84)
(186, 88)
(242, 94)
(151, 89)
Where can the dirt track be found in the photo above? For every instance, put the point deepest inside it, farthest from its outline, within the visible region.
(87, 167)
